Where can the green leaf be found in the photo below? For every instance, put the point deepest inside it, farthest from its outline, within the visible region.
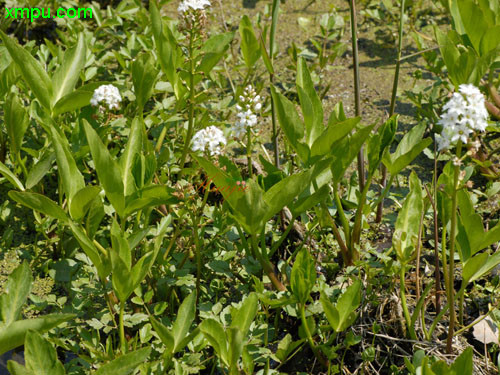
(312, 109)
(124, 364)
(213, 50)
(333, 133)
(102, 264)
(75, 99)
(33, 73)
(40, 356)
(184, 320)
(379, 143)
(132, 150)
(41, 203)
(470, 13)
(70, 175)
(144, 75)
(17, 369)
(235, 341)
(250, 47)
(16, 291)
(107, 169)
(151, 196)
(408, 149)
(478, 266)
(342, 315)
(82, 200)
(67, 74)
(13, 335)
(165, 335)
(40, 169)
(16, 121)
(214, 333)
(463, 364)
(408, 222)
(245, 315)
(289, 121)
(11, 177)
(303, 276)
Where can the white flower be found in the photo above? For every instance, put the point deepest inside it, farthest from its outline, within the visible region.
(108, 94)
(464, 113)
(209, 138)
(186, 5)
(247, 117)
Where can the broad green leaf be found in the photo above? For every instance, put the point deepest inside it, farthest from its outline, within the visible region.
(265, 56)
(248, 206)
(463, 364)
(107, 169)
(250, 47)
(235, 341)
(184, 320)
(490, 40)
(82, 200)
(346, 150)
(17, 369)
(40, 169)
(408, 149)
(13, 335)
(41, 356)
(312, 109)
(333, 133)
(470, 13)
(213, 50)
(33, 73)
(151, 196)
(99, 261)
(308, 202)
(290, 121)
(121, 277)
(132, 150)
(164, 333)
(16, 291)
(347, 303)
(124, 364)
(478, 266)
(379, 143)
(216, 336)
(41, 203)
(245, 315)
(408, 222)
(76, 99)
(67, 74)
(303, 276)
(144, 76)
(11, 177)
(16, 121)
(70, 175)
(120, 246)
(285, 347)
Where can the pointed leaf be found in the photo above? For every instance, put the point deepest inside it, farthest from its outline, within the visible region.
(184, 320)
(312, 109)
(11, 177)
(16, 292)
(125, 364)
(245, 315)
(16, 121)
(40, 203)
(40, 356)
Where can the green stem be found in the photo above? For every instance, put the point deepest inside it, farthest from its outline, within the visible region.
(451, 269)
(267, 266)
(249, 151)
(357, 101)
(438, 319)
(340, 210)
(310, 340)
(402, 293)
(356, 230)
(189, 134)
(283, 236)
(272, 38)
(122, 328)
(393, 101)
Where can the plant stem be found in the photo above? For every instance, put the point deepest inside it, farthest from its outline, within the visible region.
(249, 151)
(191, 104)
(309, 336)
(356, 230)
(272, 39)
(392, 108)
(340, 210)
(267, 266)
(357, 100)
(402, 293)
(122, 328)
(451, 269)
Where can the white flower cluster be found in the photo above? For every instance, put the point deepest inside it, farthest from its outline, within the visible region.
(247, 117)
(464, 113)
(108, 94)
(209, 138)
(186, 5)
